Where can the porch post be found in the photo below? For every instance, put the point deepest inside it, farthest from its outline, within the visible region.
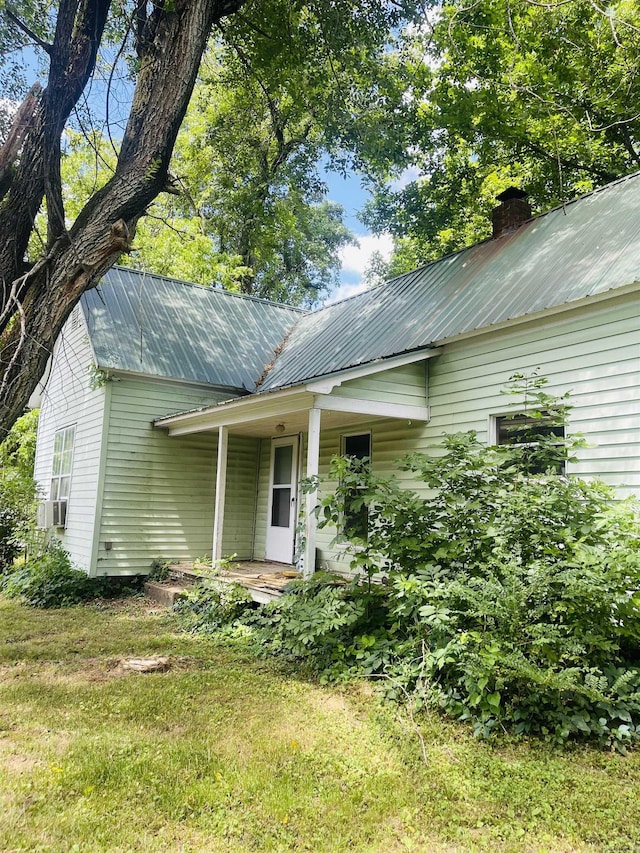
(313, 455)
(221, 487)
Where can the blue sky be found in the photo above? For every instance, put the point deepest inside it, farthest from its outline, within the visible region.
(349, 192)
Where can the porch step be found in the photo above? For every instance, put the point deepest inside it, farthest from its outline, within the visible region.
(188, 571)
(265, 581)
(165, 592)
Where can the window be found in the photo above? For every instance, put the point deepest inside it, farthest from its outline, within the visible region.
(62, 463)
(528, 432)
(356, 521)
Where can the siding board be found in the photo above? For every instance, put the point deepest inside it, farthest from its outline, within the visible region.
(158, 491)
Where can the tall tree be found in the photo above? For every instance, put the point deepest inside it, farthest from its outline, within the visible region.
(544, 95)
(162, 43)
(36, 300)
(250, 210)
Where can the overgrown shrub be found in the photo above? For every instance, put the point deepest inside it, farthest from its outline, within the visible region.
(47, 579)
(511, 597)
(17, 489)
(511, 594)
(212, 604)
(17, 515)
(339, 628)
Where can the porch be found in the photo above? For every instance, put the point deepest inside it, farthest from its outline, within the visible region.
(268, 442)
(265, 581)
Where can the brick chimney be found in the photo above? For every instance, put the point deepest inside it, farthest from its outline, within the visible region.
(512, 212)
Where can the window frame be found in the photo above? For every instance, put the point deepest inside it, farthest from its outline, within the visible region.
(494, 433)
(66, 455)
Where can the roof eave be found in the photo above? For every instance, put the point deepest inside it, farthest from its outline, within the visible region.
(281, 400)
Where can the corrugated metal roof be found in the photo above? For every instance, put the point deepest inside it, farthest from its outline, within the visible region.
(585, 248)
(158, 326)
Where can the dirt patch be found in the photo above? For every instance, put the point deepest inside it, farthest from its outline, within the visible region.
(88, 670)
(139, 606)
(16, 762)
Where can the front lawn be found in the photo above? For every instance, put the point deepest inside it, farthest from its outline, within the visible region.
(226, 753)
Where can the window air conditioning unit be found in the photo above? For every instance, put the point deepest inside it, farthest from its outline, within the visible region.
(52, 514)
(45, 515)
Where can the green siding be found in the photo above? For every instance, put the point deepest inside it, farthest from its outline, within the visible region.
(593, 353)
(405, 385)
(68, 400)
(262, 502)
(240, 497)
(390, 440)
(158, 491)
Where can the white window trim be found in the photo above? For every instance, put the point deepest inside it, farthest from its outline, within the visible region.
(70, 474)
(345, 435)
(493, 431)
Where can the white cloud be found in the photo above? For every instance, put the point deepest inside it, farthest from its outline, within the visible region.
(407, 176)
(344, 291)
(355, 258)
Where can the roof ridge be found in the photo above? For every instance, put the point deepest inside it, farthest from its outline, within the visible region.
(211, 288)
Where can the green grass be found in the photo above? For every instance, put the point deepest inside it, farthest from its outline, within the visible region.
(224, 752)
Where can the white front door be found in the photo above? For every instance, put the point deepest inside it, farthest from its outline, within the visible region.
(281, 522)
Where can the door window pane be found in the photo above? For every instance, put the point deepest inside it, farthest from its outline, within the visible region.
(282, 464)
(281, 508)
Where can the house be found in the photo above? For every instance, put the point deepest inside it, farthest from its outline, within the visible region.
(178, 420)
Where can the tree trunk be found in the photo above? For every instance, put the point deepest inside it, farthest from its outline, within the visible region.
(36, 301)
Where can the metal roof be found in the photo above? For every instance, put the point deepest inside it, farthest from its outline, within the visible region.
(150, 324)
(585, 248)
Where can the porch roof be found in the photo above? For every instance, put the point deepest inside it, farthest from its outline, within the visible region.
(285, 410)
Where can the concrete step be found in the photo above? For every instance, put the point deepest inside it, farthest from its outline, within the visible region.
(166, 592)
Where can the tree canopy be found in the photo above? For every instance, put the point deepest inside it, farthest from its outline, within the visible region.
(157, 47)
(251, 211)
(442, 106)
(543, 95)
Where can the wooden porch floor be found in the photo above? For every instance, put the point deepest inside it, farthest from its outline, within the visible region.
(264, 580)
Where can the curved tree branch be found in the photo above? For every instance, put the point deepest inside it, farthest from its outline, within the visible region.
(48, 48)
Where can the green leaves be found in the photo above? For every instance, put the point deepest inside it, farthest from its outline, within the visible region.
(541, 96)
(17, 488)
(510, 594)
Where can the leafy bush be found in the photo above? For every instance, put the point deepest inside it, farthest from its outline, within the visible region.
(339, 628)
(160, 570)
(17, 488)
(212, 604)
(511, 600)
(510, 594)
(17, 515)
(47, 579)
